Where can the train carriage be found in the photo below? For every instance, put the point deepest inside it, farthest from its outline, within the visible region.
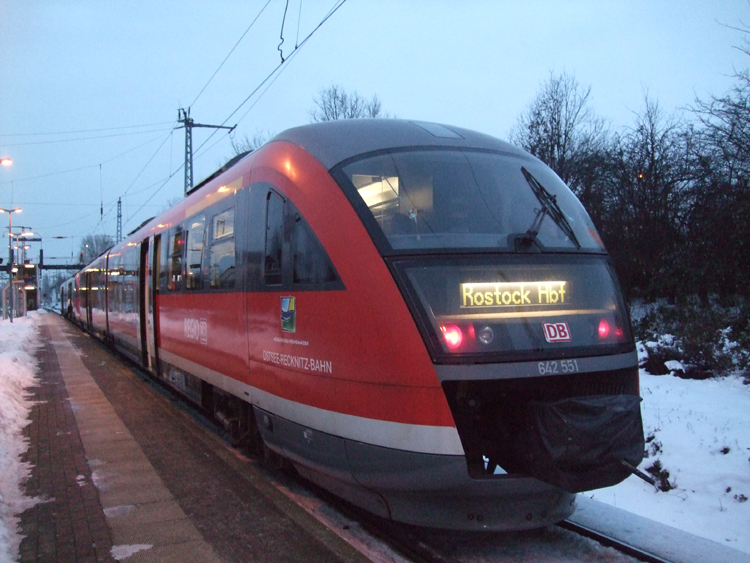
(421, 318)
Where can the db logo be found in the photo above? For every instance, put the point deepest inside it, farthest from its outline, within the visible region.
(556, 332)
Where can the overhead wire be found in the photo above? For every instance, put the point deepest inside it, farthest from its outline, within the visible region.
(71, 222)
(281, 33)
(155, 192)
(172, 174)
(272, 76)
(230, 52)
(84, 130)
(159, 181)
(197, 154)
(332, 11)
(296, 50)
(74, 139)
(101, 208)
(102, 215)
(45, 203)
(88, 166)
(147, 163)
(275, 78)
(299, 19)
(101, 192)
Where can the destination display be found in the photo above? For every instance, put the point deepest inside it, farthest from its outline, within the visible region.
(513, 294)
(510, 308)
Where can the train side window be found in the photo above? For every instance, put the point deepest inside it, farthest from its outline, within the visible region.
(222, 259)
(311, 263)
(175, 264)
(156, 264)
(274, 238)
(112, 275)
(164, 256)
(196, 228)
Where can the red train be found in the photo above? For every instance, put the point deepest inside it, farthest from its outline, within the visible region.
(421, 318)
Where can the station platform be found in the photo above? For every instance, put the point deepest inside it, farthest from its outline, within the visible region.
(125, 475)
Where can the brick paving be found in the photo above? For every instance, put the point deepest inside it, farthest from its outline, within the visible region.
(70, 525)
(120, 465)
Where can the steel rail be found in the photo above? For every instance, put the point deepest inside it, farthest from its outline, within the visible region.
(609, 541)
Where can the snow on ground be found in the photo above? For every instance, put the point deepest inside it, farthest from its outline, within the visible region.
(700, 433)
(120, 552)
(18, 342)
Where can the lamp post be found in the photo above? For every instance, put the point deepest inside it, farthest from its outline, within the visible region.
(6, 161)
(24, 235)
(10, 213)
(27, 236)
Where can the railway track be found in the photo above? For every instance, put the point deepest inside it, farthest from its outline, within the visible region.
(429, 546)
(608, 541)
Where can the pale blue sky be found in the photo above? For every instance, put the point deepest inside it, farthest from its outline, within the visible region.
(84, 65)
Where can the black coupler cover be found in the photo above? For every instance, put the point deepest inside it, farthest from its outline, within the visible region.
(578, 444)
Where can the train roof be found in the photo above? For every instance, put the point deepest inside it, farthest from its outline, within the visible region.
(332, 142)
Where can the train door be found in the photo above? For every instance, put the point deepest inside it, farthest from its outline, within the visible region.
(88, 298)
(146, 311)
(71, 297)
(150, 290)
(77, 298)
(104, 287)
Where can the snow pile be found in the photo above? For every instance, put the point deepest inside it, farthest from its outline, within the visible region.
(121, 552)
(698, 448)
(18, 342)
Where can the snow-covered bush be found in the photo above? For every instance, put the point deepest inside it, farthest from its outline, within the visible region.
(694, 340)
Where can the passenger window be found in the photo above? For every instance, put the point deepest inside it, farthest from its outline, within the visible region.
(195, 237)
(164, 255)
(175, 264)
(157, 263)
(274, 238)
(311, 263)
(222, 260)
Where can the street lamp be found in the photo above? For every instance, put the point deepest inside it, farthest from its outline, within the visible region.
(7, 161)
(22, 245)
(10, 213)
(22, 248)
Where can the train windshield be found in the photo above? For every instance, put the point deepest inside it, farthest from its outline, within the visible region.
(518, 306)
(462, 199)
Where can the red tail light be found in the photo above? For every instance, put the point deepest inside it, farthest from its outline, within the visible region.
(453, 336)
(603, 329)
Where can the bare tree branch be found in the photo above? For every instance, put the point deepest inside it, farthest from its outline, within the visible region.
(334, 103)
(253, 143)
(93, 245)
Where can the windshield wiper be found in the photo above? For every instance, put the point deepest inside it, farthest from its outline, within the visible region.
(549, 207)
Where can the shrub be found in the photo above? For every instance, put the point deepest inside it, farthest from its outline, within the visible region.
(661, 476)
(707, 339)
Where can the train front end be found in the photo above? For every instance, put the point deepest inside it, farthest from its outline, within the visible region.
(520, 310)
